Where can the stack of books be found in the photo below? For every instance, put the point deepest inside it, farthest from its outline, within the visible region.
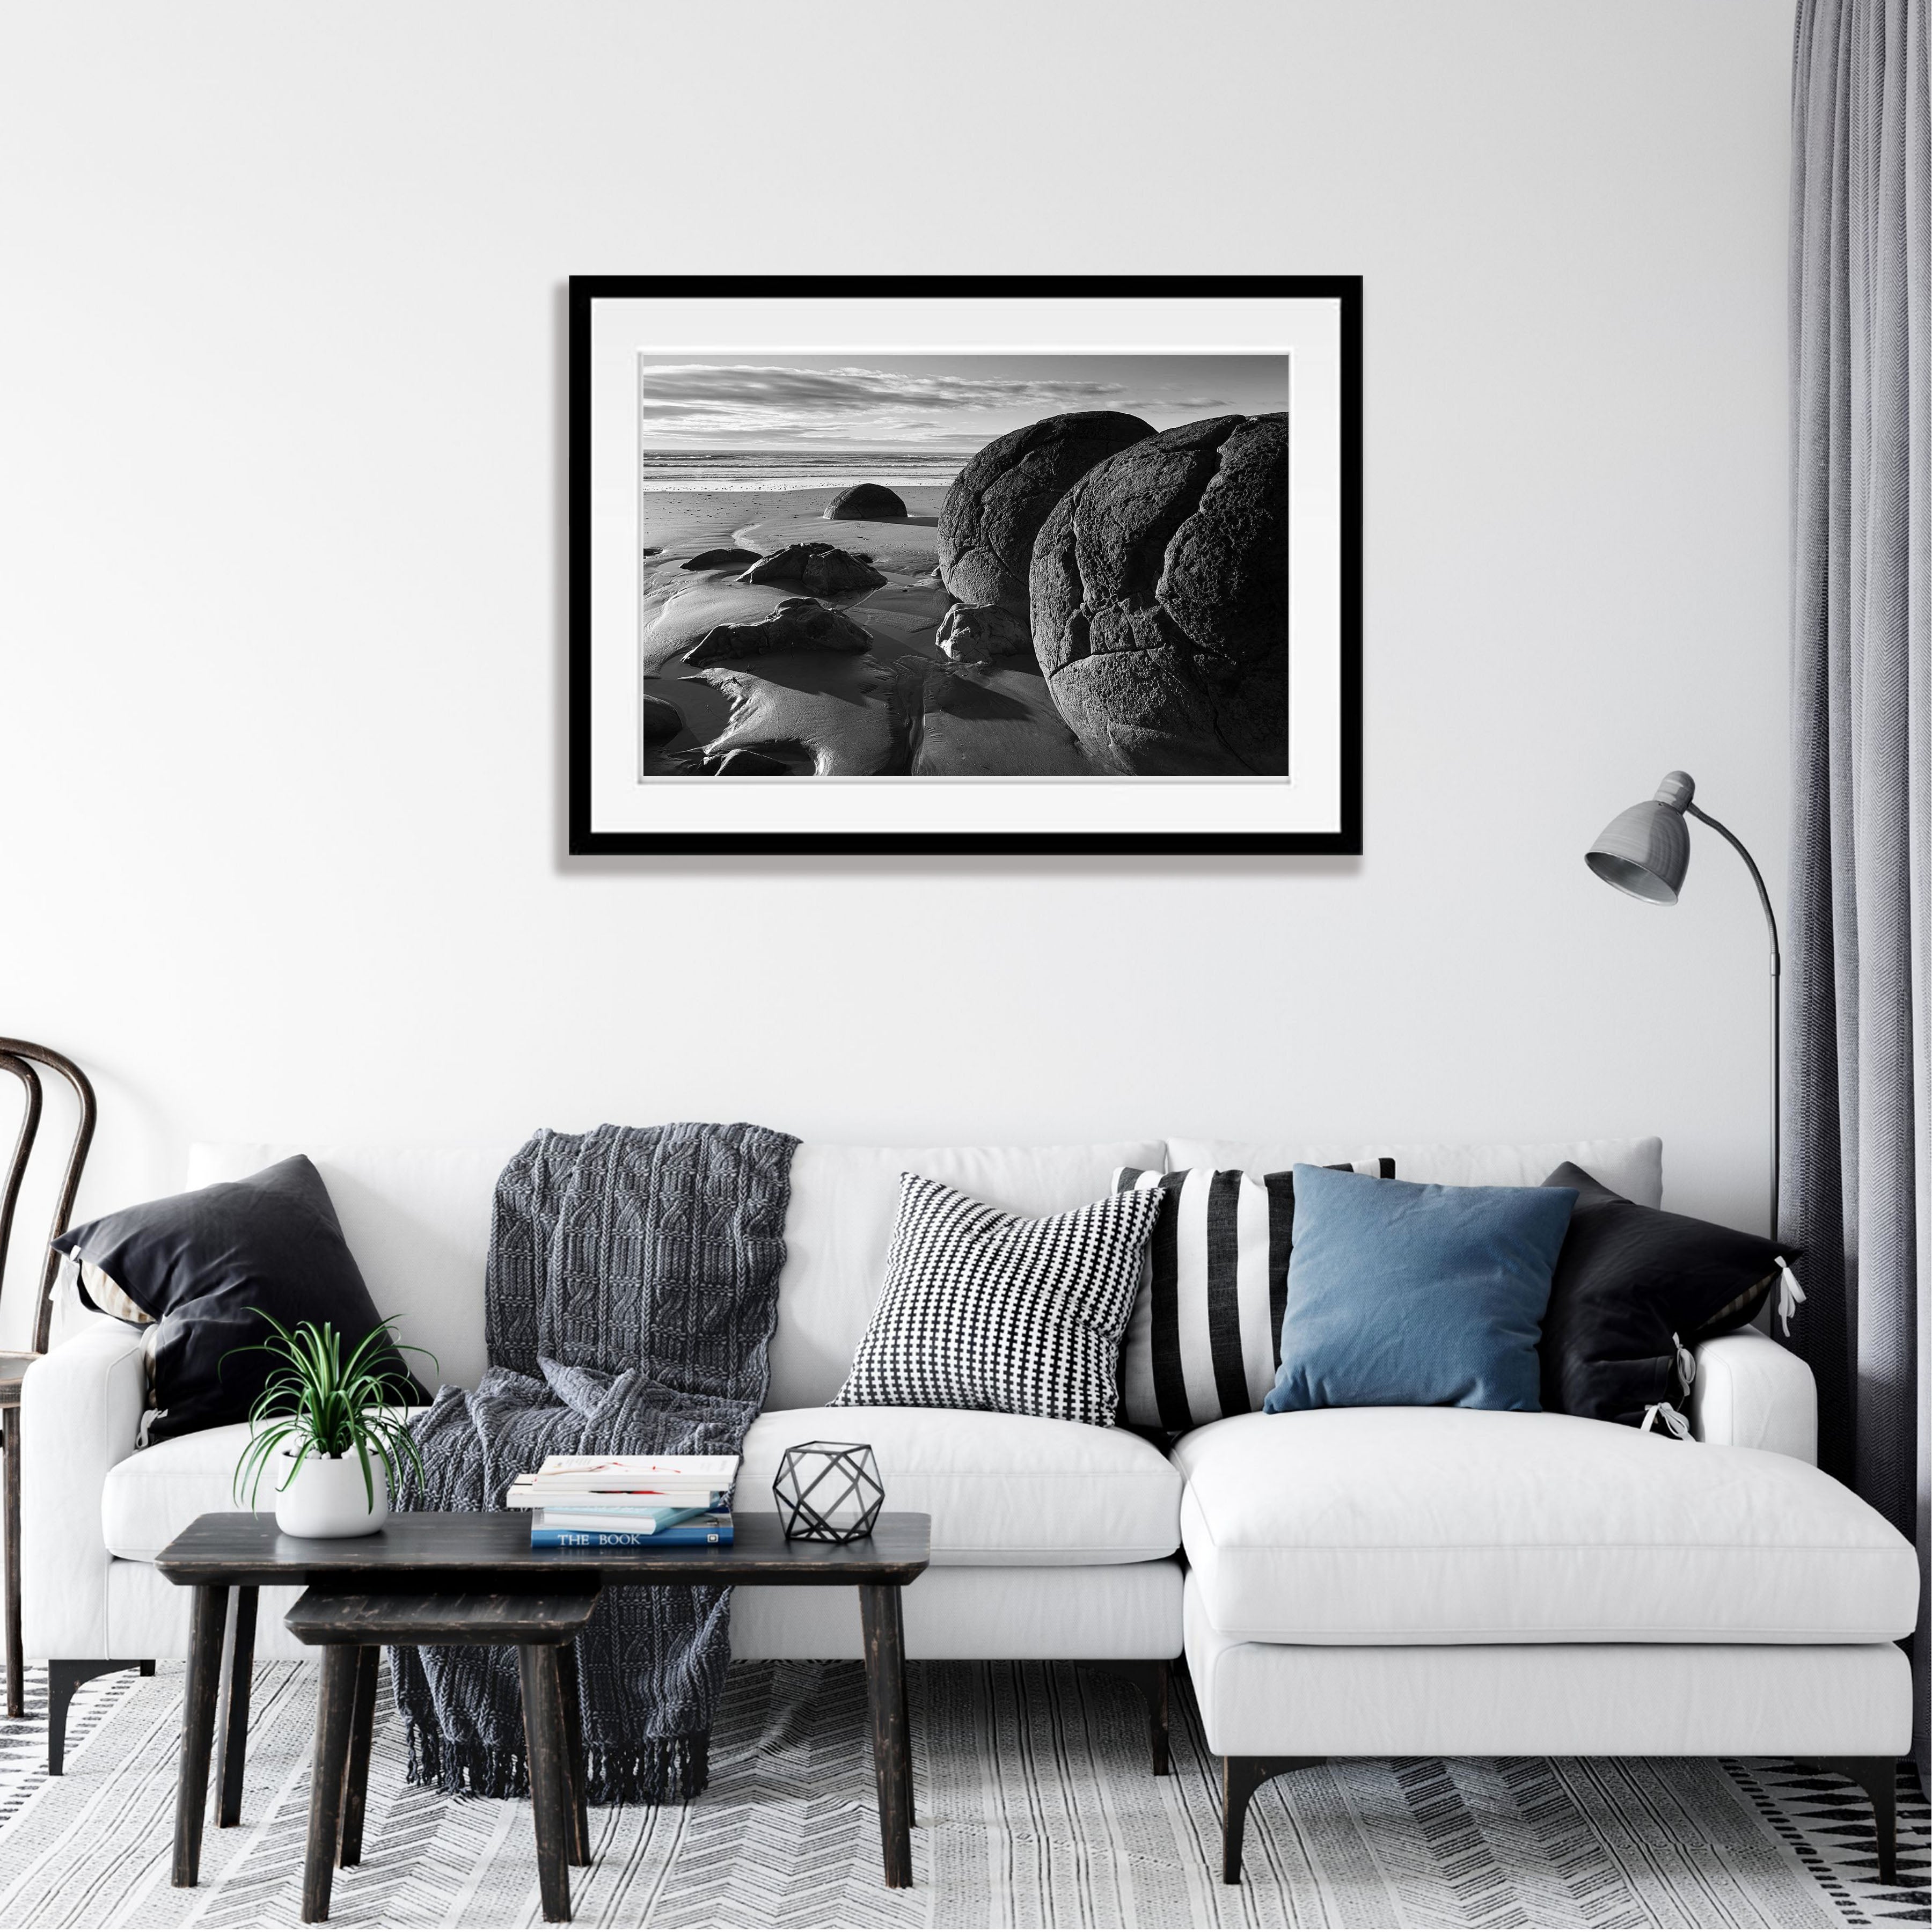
(627, 1502)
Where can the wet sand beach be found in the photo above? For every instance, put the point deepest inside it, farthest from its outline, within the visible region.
(830, 713)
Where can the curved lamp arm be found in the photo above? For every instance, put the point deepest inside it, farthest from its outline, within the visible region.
(1757, 878)
(1737, 845)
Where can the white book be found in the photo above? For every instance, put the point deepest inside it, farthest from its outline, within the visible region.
(615, 1502)
(717, 1473)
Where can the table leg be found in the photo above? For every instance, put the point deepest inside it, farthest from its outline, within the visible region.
(573, 1750)
(204, 1682)
(549, 1792)
(232, 1730)
(16, 1663)
(885, 1693)
(905, 1710)
(335, 1714)
(355, 1773)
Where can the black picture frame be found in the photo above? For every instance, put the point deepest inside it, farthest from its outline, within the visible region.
(1344, 838)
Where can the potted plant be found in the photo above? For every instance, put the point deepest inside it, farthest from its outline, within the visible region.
(327, 1430)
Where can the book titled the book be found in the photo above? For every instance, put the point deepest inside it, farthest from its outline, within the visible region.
(678, 1535)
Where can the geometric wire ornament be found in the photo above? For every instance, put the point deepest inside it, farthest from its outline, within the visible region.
(829, 1491)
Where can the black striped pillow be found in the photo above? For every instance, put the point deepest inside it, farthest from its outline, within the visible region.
(1203, 1338)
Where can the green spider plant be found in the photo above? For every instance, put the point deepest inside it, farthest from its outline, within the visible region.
(319, 1404)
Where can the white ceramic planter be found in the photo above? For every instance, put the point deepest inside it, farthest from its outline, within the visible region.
(326, 1496)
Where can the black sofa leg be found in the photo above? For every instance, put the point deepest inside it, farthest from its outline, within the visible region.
(1241, 1777)
(1153, 1680)
(1878, 1778)
(65, 1675)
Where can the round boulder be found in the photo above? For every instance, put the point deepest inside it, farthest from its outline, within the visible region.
(998, 502)
(865, 502)
(662, 719)
(1159, 602)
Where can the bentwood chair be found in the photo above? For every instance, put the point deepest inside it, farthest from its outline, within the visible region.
(21, 1058)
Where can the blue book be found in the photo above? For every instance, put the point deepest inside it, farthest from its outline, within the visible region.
(683, 1533)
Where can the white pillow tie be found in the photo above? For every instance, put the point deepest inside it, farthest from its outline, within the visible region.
(1674, 1422)
(1790, 1294)
(1686, 1365)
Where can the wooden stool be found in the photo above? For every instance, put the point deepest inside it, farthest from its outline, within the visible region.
(350, 1626)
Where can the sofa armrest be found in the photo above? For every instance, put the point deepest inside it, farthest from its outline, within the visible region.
(80, 1414)
(1752, 1393)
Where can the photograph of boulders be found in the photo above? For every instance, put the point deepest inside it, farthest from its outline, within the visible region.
(966, 567)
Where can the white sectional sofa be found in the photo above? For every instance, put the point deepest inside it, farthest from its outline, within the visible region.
(1362, 1582)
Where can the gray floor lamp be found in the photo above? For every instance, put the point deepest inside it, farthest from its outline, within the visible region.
(1646, 851)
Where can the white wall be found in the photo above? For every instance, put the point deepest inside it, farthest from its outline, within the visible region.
(282, 612)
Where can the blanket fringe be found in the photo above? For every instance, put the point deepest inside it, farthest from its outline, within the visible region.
(654, 1771)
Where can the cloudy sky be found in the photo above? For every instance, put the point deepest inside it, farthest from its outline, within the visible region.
(864, 401)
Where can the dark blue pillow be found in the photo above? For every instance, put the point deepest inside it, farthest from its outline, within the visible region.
(1405, 1295)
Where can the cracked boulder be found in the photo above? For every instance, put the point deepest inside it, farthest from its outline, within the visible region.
(822, 568)
(798, 624)
(1159, 602)
(865, 502)
(998, 502)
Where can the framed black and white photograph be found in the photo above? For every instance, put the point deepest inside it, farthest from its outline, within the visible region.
(965, 565)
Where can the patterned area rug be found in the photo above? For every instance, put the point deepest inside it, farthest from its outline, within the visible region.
(1035, 1808)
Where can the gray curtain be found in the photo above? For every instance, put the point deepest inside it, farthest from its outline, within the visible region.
(1858, 1139)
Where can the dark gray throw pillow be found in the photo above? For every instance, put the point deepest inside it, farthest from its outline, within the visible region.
(207, 1264)
(1634, 1286)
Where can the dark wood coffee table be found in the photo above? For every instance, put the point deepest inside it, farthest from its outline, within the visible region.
(490, 1551)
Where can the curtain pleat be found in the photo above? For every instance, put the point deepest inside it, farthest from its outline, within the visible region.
(1858, 1130)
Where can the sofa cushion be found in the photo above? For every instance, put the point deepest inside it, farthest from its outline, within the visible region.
(417, 1220)
(1001, 1489)
(1634, 1168)
(840, 1224)
(152, 1495)
(1453, 1526)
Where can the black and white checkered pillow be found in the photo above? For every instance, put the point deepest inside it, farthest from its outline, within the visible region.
(1203, 1338)
(985, 1310)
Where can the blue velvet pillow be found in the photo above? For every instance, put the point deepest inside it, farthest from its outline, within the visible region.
(1404, 1295)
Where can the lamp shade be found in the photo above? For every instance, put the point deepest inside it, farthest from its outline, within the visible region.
(1646, 851)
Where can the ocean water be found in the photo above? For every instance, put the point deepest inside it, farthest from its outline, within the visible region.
(768, 469)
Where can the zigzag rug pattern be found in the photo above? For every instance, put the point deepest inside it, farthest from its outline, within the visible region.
(1034, 1805)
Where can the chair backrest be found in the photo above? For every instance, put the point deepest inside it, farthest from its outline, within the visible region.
(21, 1057)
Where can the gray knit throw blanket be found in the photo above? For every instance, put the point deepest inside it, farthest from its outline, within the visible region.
(632, 1287)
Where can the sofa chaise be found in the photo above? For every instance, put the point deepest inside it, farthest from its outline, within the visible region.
(1368, 1582)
